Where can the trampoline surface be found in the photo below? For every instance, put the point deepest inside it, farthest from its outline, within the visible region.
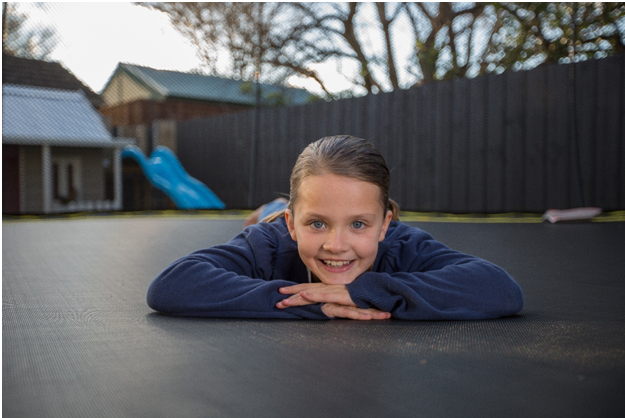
(80, 341)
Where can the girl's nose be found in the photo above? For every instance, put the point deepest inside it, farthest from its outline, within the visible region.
(336, 242)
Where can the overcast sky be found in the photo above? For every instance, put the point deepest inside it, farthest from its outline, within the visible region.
(94, 37)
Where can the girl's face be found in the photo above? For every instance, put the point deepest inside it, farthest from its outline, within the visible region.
(337, 222)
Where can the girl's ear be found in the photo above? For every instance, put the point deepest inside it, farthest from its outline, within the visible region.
(290, 223)
(387, 222)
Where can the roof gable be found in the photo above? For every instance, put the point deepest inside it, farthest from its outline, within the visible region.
(174, 84)
(38, 115)
(36, 73)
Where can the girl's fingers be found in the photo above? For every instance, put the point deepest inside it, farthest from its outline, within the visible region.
(333, 310)
(309, 293)
(330, 294)
(335, 299)
(295, 300)
(291, 290)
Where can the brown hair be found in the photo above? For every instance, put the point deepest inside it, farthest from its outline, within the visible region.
(343, 155)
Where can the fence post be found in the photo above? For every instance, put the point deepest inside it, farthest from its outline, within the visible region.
(577, 168)
(255, 134)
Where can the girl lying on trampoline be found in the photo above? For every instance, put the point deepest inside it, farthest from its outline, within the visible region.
(335, 250)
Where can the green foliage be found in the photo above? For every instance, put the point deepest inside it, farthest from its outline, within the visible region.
(247, 87)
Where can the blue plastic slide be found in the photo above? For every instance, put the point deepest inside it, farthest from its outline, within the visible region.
(166, 173)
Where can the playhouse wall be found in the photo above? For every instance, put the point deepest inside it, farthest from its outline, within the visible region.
(91, 174)
(31, 179)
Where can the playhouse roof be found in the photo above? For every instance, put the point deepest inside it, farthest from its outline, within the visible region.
(37, 73)
(36, 116)
(163, 84)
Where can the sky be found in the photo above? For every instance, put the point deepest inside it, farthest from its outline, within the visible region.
(94, 37)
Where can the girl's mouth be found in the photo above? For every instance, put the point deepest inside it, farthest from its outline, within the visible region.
(336, 264)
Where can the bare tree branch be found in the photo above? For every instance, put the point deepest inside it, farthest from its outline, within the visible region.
(392, 72)
(306, 39)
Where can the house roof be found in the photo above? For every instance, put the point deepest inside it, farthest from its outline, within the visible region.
(36, 116)
(174, 84)
(35, 73)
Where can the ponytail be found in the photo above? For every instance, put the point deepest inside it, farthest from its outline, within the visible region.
(273, 216)
(394, 208)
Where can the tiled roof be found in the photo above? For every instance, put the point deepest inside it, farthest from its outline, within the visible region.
(28, 72)
(163, 83)
(32, 115)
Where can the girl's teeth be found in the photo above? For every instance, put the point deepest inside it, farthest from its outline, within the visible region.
(336, 263)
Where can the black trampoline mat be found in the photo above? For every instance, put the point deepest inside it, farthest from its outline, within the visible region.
(80, 341)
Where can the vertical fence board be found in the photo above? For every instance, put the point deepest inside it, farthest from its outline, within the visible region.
(621, 137)
(237, 143)
(535, 139)
(239, 155)
(388, 134)
(515, 161)
(379, 130)
(317, 119)
(459, 146)
(308, 135)
(477, 136)
(558, 134)
(332, 125)
(300, 117)
(352, 117)
(609, 118)
(400, 115)
(267, 154)
(586, 127)
(425, 180)
(408, 197)
(285, 162)
(371, 110)
(443, 147)
(495, 144)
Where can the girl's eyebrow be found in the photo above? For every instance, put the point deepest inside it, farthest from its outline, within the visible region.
(311, 215)
(308, 215)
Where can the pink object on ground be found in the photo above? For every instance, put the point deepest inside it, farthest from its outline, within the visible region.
(555, 215)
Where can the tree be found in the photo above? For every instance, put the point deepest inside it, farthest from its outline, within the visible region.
(22, 42)
(474, 39)
(385, 46)
(528, 34)
(240, 39)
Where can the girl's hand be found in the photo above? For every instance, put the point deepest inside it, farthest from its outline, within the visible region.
(309, 293)
(333, 310)
(335, 299)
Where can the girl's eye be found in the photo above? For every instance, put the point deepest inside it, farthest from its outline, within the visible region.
(317, 224)
(358, 225)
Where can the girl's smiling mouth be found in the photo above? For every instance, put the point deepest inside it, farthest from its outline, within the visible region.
(337, 264)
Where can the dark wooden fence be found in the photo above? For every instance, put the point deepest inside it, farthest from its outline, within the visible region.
(525, 141)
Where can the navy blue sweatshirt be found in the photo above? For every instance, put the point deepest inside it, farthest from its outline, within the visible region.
(414, 277)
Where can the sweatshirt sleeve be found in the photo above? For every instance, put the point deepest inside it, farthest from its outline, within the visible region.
(227, 281)
(419, 278)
